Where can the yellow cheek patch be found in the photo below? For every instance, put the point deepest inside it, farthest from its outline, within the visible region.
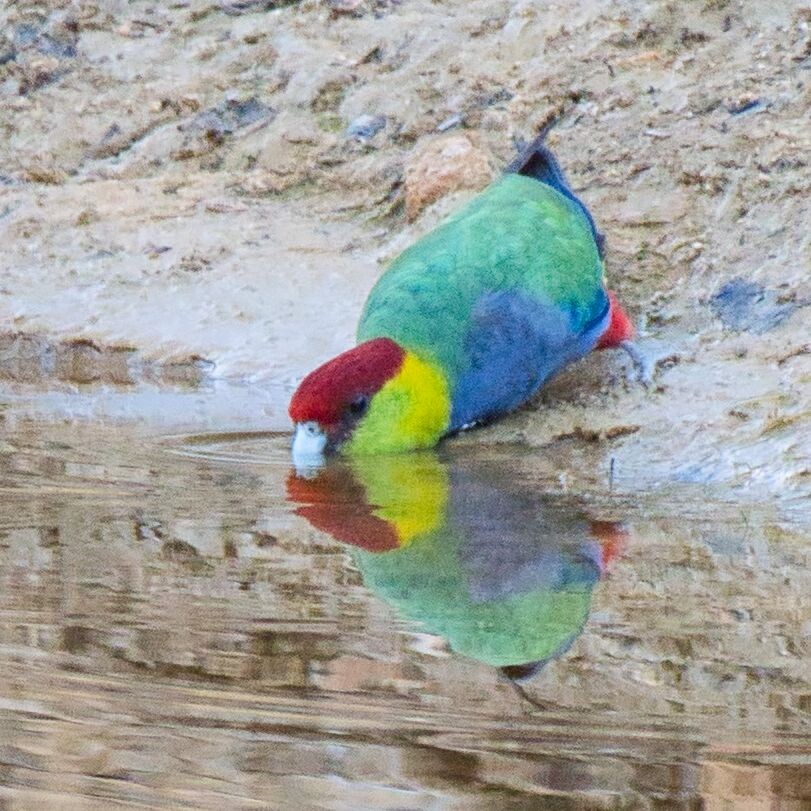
(408, 492)
(412, 410)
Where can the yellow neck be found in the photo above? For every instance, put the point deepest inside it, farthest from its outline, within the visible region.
(412, 410)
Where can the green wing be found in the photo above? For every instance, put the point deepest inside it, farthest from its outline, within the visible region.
(519, 235)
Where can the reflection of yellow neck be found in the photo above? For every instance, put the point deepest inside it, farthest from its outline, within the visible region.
(412, 410)
(409, 492)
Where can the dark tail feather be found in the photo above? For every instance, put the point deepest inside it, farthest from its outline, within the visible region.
(537, 161)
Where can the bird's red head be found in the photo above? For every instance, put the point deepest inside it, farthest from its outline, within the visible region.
(329, 392)
(336, 395)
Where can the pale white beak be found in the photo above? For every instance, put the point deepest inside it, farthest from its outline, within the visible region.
(308, 443)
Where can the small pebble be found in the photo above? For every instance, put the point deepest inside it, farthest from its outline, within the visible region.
(449, 123)
(365, 127)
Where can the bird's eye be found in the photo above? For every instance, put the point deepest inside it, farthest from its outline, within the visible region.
(359, 405)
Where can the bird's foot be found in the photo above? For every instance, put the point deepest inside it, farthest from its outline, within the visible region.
(643, 366)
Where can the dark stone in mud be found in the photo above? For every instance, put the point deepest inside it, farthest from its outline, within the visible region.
(113, 132)
(237, 7)
(33, 37)
(25, 35)
(230, 116)
(49, 46)
(365, 127)
(745, 306)
(56, 40)
(179, 550)
(746, 106)
(491, 98)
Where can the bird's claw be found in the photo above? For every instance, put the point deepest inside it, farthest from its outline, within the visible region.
(642, 365)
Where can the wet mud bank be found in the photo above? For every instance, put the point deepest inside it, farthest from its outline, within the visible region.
(215, 187)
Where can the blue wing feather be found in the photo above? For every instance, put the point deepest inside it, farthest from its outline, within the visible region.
(515, 342)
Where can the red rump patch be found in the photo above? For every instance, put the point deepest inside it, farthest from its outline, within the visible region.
(619, 328)
(325, 394)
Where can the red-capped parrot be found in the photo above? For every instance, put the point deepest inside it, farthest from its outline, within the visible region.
(469, 322)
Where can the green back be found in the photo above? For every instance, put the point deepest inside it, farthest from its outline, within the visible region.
(518, 235)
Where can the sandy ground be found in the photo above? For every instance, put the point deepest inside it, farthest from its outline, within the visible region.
(216, 185)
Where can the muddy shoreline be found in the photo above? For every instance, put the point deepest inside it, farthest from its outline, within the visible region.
(215, 187)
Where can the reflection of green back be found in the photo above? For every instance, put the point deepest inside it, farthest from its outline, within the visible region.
(426, 582)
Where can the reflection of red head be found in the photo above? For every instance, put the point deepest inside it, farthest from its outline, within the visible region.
(612, 537)
(336, 503)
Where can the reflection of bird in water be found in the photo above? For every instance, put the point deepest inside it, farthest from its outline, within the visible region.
(503, 573)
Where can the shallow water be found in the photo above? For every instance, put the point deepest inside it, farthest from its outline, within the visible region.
(188, 621)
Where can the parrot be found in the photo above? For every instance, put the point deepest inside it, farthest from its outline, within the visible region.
(502, 572)
(469, 322)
